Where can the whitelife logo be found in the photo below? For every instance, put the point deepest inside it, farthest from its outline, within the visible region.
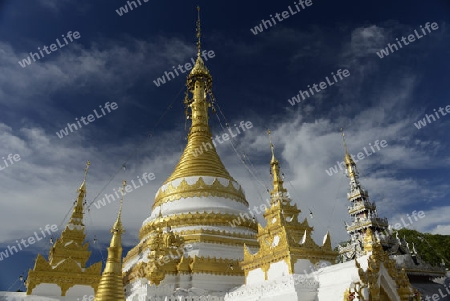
(207, 146)
(411, 38)
(280, 17)
(124, 9)
(27, 61)
(341, 165)
(11, 158)
(321, 85)
(188, 66)
(423, 122)
(90, 118)
(128, 188)
(31, 240)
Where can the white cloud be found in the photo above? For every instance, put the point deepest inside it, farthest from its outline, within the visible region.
(41, 187)
(441, 229)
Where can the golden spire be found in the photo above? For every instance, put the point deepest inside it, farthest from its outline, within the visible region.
(348, 158)
(117, 228)
(77, 214)
(278, 188)
(74, 231)
(110, 287)
(199, 157)
(199, 67)
(284, 237)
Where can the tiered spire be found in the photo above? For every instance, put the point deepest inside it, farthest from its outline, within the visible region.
(278, 188)
(199, 158)
(284, 237)
(363, 212)
(368, 230)
(73, 232)
(68, 256)
(111, 287)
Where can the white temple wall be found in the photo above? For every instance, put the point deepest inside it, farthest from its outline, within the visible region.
(322, 264)
(215, 250)
(303, 266)
(277, 269)
(286, 288)
(46, 289)
(80, 290)
(255, 276)
(185, 298)
(216, 282)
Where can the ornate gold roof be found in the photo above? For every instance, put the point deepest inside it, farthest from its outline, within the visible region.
(370, 278)
(284, 237)
(66, 266)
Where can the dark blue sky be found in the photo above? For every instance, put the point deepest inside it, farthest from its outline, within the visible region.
(117, 58)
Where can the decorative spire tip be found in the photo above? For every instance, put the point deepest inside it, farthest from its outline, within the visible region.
(343, 139)
(124, 183)
(271, 144)
(199, 44)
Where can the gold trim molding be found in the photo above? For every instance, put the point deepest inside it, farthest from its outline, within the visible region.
(197, 219)
(201, 236)
(65, 275)
(369, 278)
(199, 189)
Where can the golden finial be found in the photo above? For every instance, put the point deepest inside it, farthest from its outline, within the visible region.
(275, 171)
(83, 184)
(118, 228)
(347, 158)
(343, 139)
(88, 163)
(199, 45)
(271, 144)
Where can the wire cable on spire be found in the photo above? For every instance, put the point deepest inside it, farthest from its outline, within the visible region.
(343, 139)
(140, 145)
(199, 44)
(241, 158)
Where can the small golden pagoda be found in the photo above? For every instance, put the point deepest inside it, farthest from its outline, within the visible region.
(110, 287)
(66, 265)
(284, 238)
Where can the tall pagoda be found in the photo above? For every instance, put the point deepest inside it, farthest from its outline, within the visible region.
(363, 213)
(365, 218)
(188, 244)
(285, 244)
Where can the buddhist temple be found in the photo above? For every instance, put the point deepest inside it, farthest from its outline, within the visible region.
(110, 287)
(190, 247)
